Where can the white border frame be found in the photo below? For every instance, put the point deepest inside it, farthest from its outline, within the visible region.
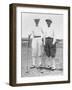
(63, 77)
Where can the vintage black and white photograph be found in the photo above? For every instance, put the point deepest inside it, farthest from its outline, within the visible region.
(41, 44)
(42, 39)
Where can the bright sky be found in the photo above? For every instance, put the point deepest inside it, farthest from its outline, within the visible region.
(28, 23)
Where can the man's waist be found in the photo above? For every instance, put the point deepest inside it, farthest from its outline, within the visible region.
(37, 36)
(49, 37)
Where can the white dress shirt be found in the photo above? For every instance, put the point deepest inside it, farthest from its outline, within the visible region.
(37, 31)
(50, 33)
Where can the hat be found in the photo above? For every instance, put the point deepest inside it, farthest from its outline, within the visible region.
(48, 21)
(36, 21)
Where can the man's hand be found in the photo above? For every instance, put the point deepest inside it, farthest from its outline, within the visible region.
(53, 42)
(43, 41)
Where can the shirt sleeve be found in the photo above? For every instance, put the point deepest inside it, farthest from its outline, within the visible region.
(54, 36)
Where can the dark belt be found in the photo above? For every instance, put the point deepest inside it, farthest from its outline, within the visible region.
(37, 36)
(49, 38)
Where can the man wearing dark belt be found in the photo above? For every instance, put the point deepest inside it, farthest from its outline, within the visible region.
(36, 35)
(50, 44)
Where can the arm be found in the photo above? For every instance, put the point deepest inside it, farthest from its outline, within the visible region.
(54, 37)
(43, 37)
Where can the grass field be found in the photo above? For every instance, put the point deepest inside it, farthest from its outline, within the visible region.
(26, 62)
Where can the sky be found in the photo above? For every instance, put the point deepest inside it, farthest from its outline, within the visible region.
(28, 23)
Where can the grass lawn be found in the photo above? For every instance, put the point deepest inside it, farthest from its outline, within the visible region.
(26, 62)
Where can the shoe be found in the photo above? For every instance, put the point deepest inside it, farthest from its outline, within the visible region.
(48, 67)
(53, 68)
(33, 66)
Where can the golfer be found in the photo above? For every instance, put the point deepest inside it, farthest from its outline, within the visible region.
(36, 35)
(50, 44)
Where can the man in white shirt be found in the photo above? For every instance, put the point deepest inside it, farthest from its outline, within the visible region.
(36, 36)
(50, 44)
